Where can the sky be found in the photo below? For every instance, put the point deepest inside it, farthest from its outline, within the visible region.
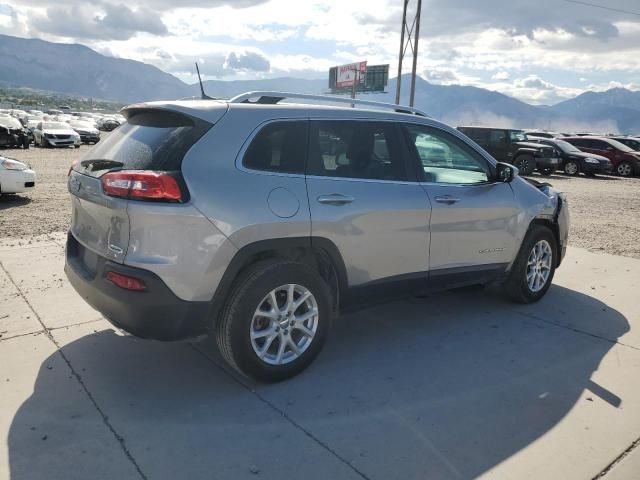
(541, 52)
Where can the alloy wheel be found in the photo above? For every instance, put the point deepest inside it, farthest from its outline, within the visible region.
(539, 266)
(571, 168)
(284, 324)
(624, 169)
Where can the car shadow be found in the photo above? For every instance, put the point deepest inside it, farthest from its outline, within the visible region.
(444, 386)
(13, 200)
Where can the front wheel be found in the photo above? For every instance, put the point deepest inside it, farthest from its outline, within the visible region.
(526, 164)
(571, 168)
(624, 169)
(532, 272)
(275, 321)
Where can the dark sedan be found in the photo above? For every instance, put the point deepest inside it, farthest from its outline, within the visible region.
(573, 160)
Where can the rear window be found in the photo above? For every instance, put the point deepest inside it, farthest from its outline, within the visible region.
(278, 147)
(149, 140)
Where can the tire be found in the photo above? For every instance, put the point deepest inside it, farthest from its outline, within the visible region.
(546, 171)
(571, 168)
(76, 146)
(526, 164)
(624, 169)
(517, 286)
(252, 292)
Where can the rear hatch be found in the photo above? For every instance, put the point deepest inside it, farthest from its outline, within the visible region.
(140, 161)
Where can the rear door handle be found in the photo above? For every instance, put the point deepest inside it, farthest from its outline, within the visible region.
(447, 199)
(335, 199)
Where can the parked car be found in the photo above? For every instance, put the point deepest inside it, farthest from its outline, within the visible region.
(625, 161)
(12, 133)
(107, 124)
(262, 247)
(632, 142)
(87, 131)
(575, 161)
(55, 134)
(511, 146)
(15, 177)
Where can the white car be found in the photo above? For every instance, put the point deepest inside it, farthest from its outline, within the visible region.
(55, 134)
(15, 177)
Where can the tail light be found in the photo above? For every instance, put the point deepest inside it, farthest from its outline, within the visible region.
(126, 282)
(141, 185)
(73, 164)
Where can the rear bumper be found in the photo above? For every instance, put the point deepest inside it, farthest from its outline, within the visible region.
(89, 138)
(155, 313)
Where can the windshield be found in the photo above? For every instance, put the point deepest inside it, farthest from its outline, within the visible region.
(10, 122)
(566, 147)
(55, 126)
(517, 136)
(620, 146)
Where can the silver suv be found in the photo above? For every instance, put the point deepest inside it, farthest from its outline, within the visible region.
(258, 221)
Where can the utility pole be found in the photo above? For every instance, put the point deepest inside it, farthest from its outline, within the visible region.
(413, 36)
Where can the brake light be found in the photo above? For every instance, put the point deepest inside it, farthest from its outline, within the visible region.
(73, 164)
(141, 185)
(126, 282)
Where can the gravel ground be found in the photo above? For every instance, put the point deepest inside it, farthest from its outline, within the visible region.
(605, 211)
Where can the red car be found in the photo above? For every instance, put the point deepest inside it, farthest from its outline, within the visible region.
(625, 161)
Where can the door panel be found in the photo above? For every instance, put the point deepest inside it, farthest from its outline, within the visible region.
(473, 219)
(476, 229)
(360, 199)
(382, 232)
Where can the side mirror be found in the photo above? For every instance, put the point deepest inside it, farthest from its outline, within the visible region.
(505, 172)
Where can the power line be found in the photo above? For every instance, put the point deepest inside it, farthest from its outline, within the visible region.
(619, 10)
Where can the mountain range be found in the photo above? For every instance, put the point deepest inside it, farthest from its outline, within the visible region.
(78, 70)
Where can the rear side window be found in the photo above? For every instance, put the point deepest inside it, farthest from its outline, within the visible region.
(355, 149)
(149, 140)
(278, 147)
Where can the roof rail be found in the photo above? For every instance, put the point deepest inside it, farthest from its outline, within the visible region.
(271, 98)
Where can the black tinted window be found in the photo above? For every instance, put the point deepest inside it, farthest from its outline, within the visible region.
(278, 147)
(353, 149)
(149, 140)
(478, 135)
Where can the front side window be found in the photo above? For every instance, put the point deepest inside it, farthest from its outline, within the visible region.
(446, 159)
(517, 136)
(497, 136)
(355, 149)
(278, 147)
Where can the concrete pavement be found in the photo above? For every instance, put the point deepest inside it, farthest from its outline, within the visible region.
(456, 385)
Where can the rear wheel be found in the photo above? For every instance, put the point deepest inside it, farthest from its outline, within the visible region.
(532, 272)
(275, 321)
(526, 164)
(571, 168)
(624, 169)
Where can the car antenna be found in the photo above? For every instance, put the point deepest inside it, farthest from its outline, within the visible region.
(203, 95)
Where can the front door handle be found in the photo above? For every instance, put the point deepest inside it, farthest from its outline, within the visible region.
(335, 199)
(447, 199)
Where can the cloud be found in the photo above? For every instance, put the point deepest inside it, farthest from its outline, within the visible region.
(105, 22)
(501, 76)
(249, 61)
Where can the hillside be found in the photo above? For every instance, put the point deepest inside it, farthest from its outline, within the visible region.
(77, 70)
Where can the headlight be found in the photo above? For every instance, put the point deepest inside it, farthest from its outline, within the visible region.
(592, 160)
(48, 135)
(13, 164)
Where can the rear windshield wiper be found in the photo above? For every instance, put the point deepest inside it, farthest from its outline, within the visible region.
(100, 164)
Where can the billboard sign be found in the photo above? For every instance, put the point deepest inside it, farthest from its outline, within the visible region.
(373, 78)
(346, 75)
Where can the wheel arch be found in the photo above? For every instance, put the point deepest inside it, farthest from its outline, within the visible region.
(317, 252)
(550, 223)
